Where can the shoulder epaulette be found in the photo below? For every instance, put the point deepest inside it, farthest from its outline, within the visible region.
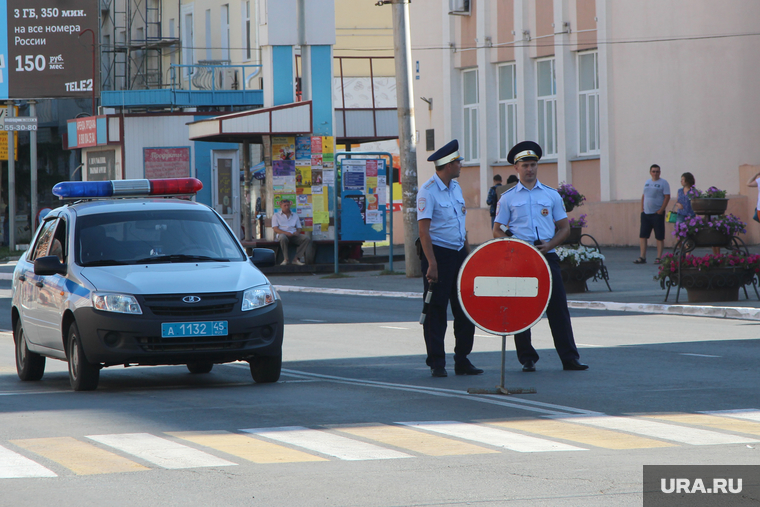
(428, 184)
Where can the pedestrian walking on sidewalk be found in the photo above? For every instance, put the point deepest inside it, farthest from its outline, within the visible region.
(534, 213)
(441, 213)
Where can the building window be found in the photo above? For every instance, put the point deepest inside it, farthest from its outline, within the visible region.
(588, 102)
(547, 106)
(209, 55)
(247, 30)
(507, 76)
(470, 101)
(225, 15)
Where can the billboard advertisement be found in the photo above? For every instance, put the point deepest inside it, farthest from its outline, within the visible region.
(42, 54)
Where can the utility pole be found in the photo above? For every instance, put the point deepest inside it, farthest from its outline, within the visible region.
(402, 53)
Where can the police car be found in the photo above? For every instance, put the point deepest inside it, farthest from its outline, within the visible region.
(114, 279)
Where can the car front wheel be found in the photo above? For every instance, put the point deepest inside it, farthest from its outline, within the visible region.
(265, 369)
(82, 375)
(29, 365)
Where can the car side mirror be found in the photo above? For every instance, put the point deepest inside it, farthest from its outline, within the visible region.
(263, 257)
(50, 265)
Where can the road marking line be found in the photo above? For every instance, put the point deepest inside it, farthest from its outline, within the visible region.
(313, 320)
(491, 436)
(713, 421)
(159, 451)
(16, 466)
(415, 441)
(327, 443)
(81, 458)
(691, 436)
(246, 447)
(394, 327)
(590, 345)
(750, 414)
(6, 276)
(529, 405)
(697, 355)
(577, 433)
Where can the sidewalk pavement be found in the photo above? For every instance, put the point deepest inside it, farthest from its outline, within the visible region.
(633, 285)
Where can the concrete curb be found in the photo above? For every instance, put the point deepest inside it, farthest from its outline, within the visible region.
(719, 312)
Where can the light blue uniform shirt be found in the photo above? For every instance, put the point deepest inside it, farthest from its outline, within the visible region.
(527, 212)
(446, 210)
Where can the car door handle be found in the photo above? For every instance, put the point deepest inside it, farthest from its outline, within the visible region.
(39, 284)
(22, 278)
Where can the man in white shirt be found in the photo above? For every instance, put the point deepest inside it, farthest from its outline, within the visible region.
(287, 226)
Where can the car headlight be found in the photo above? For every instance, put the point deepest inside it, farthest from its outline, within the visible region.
(119, 303)
(258, 297)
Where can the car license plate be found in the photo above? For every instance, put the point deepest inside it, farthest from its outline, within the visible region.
(186, 329)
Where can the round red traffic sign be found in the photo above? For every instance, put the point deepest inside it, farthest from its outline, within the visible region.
(504, 286)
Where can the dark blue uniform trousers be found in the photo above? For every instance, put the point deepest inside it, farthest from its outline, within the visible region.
(445, 290)
(559, 321)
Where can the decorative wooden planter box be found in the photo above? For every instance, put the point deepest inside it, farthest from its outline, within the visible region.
(575, 236)
(574, 277)
(709, 206)
(715, 284)
(710, 237)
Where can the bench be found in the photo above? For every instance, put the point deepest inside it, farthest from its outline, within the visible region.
(324, 250)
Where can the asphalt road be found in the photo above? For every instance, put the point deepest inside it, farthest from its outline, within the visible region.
(357, 420)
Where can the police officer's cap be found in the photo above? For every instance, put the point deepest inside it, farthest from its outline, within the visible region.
(526, 150)
(448, 153)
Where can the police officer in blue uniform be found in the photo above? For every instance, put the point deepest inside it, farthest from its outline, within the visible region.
(441, 216)
(535, 213)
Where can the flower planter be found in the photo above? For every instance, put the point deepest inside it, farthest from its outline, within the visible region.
(711, 206)
(715, 284)
(574, 277)
(569, 207)
(710, 237)
(575, 236)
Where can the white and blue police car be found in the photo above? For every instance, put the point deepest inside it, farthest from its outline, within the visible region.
(112, 278)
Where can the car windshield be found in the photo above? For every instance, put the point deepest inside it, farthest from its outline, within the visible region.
(153, 236)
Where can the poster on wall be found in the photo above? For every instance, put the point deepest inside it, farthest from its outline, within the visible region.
(283, 148)
(166, 162)
(298, 175)
(101, 165)
(363, 211)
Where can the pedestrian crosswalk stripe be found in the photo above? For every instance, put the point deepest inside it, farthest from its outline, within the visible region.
(750, 414)
(597, 437)
(82, 458)
(327, 443)
(16, 466)
(246, 447)
(492, 436)
(160, 451)
(654, 429)
(713, 421)
(415, 441)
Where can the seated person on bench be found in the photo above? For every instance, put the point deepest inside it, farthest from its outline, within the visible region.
(287, 226)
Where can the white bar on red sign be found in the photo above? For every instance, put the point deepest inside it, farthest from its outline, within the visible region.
(499, 286)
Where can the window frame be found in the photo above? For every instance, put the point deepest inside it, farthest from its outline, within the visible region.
(470, 148)
(589, 138)
(547, 134)
(507, 136)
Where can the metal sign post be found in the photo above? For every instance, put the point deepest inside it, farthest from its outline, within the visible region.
(504, 288)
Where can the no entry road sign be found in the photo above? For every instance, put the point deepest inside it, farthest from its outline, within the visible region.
(504, 286)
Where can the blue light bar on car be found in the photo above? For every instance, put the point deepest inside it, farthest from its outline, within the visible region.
(126, 188)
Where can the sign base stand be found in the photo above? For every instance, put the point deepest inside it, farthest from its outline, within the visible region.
(500, 389)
